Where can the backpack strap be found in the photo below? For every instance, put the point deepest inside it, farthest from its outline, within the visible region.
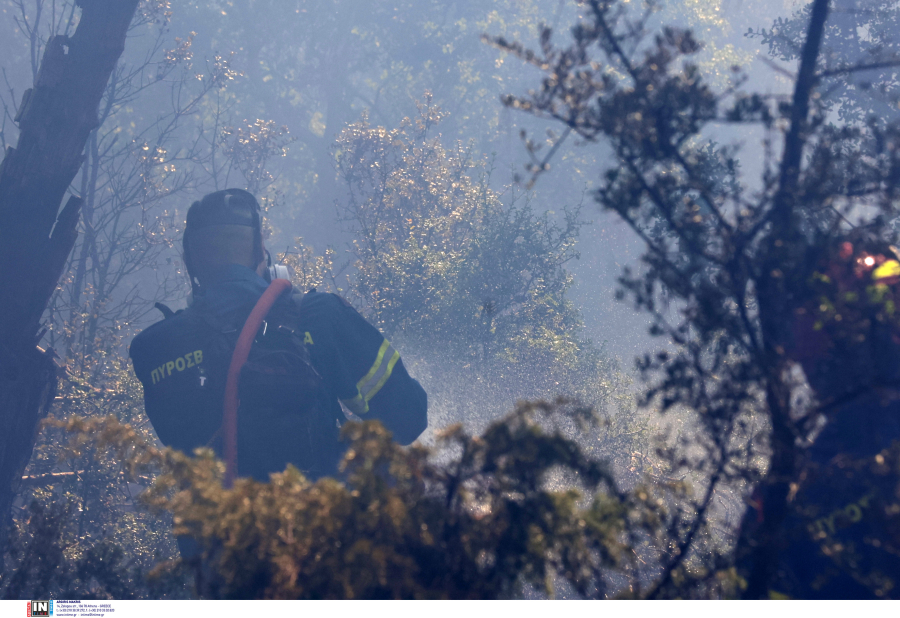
(241, 353)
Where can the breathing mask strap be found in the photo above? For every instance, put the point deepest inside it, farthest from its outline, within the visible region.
(186, 245)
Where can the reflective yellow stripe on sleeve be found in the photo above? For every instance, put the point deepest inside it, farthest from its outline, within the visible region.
(379, 373)
(387, 374)
(889, 269)
(357, 405)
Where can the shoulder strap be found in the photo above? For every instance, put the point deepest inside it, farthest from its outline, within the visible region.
(165, 310)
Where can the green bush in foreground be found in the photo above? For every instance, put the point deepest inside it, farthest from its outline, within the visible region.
(474, 517)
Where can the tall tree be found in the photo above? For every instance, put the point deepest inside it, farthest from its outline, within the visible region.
(733, 260)
(55, 118)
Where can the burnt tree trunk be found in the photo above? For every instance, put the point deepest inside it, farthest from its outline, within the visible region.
(55, 118)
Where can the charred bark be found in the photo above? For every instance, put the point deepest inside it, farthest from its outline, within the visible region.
(55, 119)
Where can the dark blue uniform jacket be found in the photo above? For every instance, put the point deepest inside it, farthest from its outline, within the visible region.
(357, 365)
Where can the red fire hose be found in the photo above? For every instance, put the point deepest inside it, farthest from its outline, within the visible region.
(241, 352)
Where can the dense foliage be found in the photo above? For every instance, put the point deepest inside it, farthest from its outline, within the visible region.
(474, 517)
(433, 242)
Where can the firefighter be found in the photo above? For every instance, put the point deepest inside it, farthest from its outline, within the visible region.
(313, 358)
(841, 535)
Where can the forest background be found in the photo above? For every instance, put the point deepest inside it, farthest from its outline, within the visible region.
(374, 135)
